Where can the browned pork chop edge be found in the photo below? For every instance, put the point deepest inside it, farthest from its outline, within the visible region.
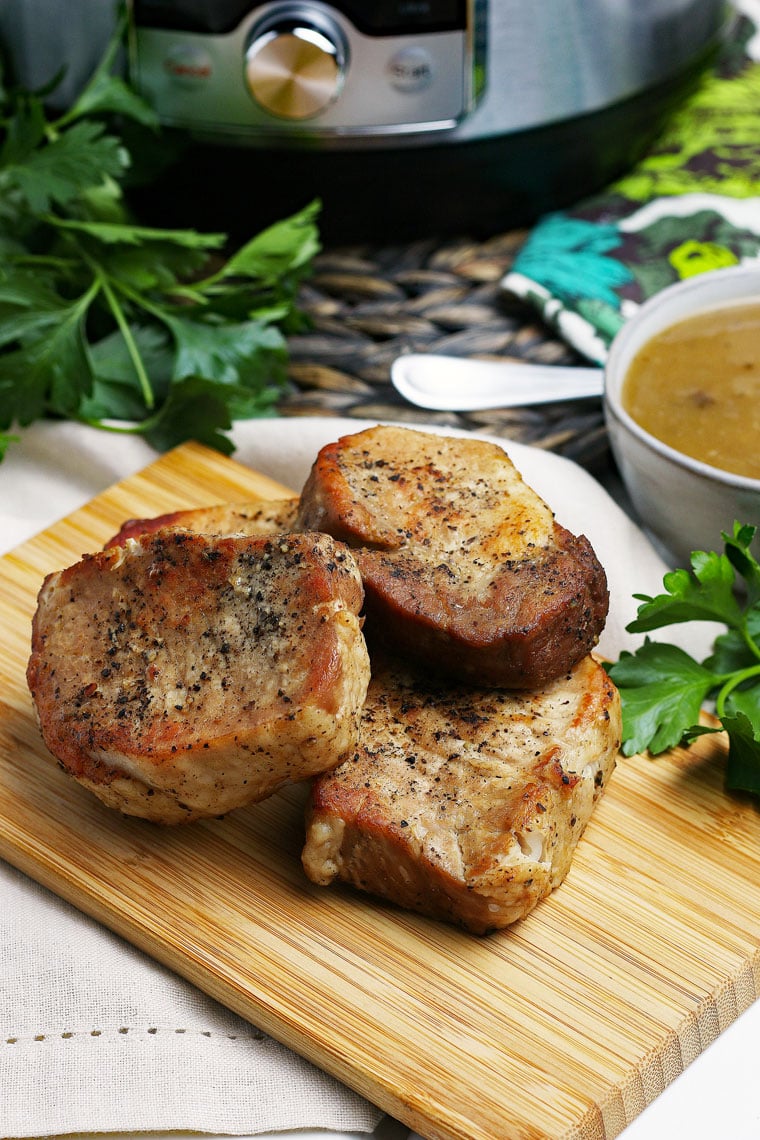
(465, 805)
(464, 567)
(262, 517)
(184, 675)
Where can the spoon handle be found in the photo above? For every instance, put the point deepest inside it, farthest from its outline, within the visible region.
(456, 384)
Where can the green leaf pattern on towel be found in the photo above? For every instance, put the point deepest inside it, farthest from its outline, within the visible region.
(690, 206)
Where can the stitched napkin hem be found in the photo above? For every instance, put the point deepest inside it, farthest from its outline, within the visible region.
(139, 1079)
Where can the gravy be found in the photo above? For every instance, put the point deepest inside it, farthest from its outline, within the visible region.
(696, 387)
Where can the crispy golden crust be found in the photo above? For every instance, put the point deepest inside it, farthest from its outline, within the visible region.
(465, 805)
(464, 567)
(275, 516)
(184, 675)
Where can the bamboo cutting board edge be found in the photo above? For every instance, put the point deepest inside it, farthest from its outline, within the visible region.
(191, 475)
(645, 1079)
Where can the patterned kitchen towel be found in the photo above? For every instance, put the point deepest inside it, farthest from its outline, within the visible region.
(691, 205)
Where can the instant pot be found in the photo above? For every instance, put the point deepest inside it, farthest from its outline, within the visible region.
(405, 117)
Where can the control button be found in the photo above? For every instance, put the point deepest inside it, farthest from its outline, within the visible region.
(294, 71)
(188, 65)
(410, 69)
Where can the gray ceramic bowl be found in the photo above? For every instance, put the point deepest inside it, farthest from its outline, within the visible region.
(683, 502)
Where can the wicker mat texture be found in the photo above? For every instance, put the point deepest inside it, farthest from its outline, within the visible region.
(369, 304)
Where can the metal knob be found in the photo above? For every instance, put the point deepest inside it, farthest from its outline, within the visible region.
(294, 70)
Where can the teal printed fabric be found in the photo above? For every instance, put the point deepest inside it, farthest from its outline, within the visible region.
(691, 205)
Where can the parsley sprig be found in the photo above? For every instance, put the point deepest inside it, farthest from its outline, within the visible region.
(663, 688)
(119, 325)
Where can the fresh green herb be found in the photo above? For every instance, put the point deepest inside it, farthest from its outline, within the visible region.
(663, 688)
(119, 325)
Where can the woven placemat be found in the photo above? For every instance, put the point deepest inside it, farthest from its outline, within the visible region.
(369, 304)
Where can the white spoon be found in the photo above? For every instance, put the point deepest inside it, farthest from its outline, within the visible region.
(457, 384)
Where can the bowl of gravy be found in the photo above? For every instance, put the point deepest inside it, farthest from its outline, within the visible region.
(682, 406)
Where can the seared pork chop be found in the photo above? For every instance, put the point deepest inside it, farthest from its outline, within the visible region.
(275, 516)
(462, 804)
(463, 565)
(185, 675)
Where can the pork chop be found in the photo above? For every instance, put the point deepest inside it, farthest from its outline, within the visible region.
(184, 675)
(464, 567)
(461, 804)
(275, 516)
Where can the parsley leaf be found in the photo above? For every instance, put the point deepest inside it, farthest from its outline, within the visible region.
(56, 173)
(50, 372)
(119, 324)
(662, 688)
(740, 557)
(224, 350)
(5, 441)
(194, 409)
(743, 764)
(704, 594)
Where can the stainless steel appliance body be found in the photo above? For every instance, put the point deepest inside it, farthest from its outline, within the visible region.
(432, 112)
(351, 74)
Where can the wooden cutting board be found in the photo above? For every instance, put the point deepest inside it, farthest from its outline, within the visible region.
(566, 1025)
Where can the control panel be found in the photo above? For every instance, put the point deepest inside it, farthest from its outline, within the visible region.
(304, 67)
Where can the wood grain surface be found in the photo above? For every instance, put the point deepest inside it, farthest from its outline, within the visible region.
(566, 1025)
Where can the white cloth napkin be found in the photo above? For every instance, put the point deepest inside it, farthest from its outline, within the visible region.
(94, 1036)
